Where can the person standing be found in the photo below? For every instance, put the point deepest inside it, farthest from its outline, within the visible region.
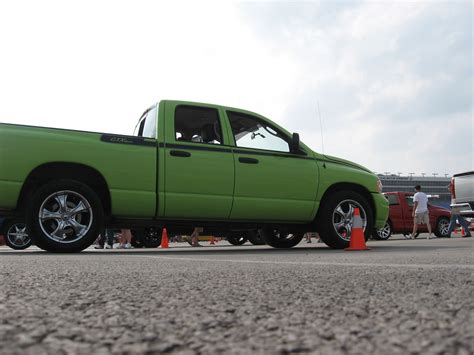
(420, 211)
(106, 239)
(456, 216)
(125, 239)
(195, 237)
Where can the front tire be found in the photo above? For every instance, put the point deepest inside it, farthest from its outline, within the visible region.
(383, 233)
(16, 236)
(64, 216)
(337, 216)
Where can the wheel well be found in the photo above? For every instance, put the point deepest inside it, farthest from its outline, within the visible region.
(54, 171)
(345, 186)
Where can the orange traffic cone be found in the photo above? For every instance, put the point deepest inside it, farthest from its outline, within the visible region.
(164, 239)
(357, 236)
(212, 240)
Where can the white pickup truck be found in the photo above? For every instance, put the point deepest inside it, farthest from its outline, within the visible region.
(463, 193)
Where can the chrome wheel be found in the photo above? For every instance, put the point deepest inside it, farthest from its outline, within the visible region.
(385, 232)
(65, 216)
(443, 227)
(17, 235)
(343, 218)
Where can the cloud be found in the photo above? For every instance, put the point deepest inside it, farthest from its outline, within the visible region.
(393, 80)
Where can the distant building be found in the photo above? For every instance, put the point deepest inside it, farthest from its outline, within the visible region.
(431, 185)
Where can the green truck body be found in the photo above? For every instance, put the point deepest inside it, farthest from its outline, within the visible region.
(167, 174)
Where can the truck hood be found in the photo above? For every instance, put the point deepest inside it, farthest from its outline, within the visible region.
(346, 162)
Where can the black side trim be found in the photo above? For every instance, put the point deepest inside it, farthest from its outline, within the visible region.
(345, 164)
(119, 139)
(176, 223)
(271, 154)
(195, 147)
(228, 149)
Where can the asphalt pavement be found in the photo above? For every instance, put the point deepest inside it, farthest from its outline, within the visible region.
(401, 297)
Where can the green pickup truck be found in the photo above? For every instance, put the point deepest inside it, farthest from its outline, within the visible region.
(188, 164)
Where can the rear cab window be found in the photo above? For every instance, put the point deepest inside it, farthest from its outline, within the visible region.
(392, 200)
(196, 124)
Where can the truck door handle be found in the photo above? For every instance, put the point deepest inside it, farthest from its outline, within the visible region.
(248, 160)
(180, 153)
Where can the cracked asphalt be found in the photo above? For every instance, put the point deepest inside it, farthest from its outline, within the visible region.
(401, 297)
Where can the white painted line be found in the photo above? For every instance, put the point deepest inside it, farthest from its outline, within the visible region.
(312, 263)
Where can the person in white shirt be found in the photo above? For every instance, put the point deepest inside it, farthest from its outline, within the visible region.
(420, 211)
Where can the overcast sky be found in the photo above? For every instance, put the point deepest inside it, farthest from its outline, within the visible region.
(394, 80)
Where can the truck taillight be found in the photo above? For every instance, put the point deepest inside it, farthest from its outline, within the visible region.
(379, 186)
(453, 190)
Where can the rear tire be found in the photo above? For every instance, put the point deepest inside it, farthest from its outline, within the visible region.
(147, 237)
(442, 225)
(337, 217)
(236, 240)
(16, 236)
(64, 216)
(280, 239)
(255, 238)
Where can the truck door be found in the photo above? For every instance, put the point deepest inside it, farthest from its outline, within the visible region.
(198, 167)
(270, 182)
(396, 211)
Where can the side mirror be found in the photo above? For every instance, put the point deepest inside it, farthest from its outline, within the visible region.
(295, 143)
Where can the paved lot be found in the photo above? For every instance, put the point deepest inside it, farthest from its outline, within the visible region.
(403, 296)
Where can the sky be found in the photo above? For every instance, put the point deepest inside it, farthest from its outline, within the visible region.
(388, 85)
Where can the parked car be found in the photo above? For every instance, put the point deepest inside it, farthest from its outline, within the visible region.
(400, 218)
(14, 232)
(189, 164)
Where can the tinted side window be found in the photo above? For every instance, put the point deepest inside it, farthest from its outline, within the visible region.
(409, 200)
(197, 124)
(392, 200)
(251, 132)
